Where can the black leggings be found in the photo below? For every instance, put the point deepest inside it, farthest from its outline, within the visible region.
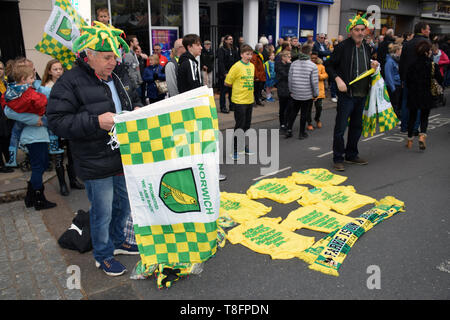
(318, 105)
(304, 107)
(424, 114)
(284, 103)
(4, 150)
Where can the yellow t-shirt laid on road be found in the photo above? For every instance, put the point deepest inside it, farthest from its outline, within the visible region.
(317, 217)
(282, 190)
(241, 78)
(342, 199)
(240, 208)
(317, 177)
(267, 236)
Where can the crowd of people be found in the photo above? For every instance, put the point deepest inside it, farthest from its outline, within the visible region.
(70, 113)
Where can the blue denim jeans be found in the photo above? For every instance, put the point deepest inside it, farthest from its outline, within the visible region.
(38, 153)
(109, 211)
(405, 112)
(347, 107)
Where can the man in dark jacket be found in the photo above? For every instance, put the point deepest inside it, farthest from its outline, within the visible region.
(226, 57)
(207, 63)
(188, 77)
(81, 108)
(321, 48)
(383, 49)
(349, 59)
(407, 59)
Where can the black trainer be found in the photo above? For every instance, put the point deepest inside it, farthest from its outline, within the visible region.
(357, 160)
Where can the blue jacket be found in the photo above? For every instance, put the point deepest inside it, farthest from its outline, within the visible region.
(391, 73)
(152, 91)
(31, 133)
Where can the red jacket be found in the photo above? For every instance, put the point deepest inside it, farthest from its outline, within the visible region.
(30, 101)
(443, 61)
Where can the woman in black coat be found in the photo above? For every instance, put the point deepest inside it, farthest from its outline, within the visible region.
(418, 81)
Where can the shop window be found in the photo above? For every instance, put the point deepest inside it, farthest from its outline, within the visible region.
(167, 13)
(132, 17)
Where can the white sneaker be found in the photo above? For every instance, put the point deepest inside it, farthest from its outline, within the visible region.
(334, 99)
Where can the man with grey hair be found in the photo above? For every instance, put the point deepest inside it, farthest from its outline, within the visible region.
(321, 48)
(81, 108)
(383, 48)
(172, 68)
(260, 73)
(303, 82)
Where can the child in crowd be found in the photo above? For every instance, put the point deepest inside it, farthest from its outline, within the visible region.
(151, 74)
(21, 86)
(318, 103)
(27, 106)
(240, 78)
(271, 79)
(103, 15)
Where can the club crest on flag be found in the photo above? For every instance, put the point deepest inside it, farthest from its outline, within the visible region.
(178, 191)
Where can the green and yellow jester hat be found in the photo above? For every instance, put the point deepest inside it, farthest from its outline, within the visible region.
(100, 37)
(357, 20)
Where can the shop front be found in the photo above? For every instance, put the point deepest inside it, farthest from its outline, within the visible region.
(437, 15)
(400, 15)
(302, 18)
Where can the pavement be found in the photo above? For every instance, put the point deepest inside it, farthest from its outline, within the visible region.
(33, 266)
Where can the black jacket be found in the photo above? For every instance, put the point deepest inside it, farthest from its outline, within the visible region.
(418, 82)
(207, 59)
(341, 61)
(409, 55)
(225, 60)
(282, 75)
(383, 50)
(188, 76)
(76, 101)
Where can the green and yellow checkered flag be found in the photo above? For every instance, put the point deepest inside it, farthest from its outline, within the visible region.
(378, 108)
(62, 27)
(169, 153)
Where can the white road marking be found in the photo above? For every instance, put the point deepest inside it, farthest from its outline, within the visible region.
(271, 173)
(325, 154)
(444, 266)
(436, 115)
(314, 148)
(379, 135)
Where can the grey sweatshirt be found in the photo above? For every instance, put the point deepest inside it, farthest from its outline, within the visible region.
(303, 79)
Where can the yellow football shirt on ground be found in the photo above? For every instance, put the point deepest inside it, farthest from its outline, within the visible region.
(318, 177)
(342, 199)
(282, 190)
(317, 217)
(240, 208)
(241, 78)
(267, 236)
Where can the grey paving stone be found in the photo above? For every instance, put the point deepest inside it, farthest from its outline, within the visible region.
(28, 237)
(49, 291)
(25, 286)
(40, 266)
(15, 245)
(20, 266)
(43, 278)
(9, 294)
(33, 255)
(16, 255)
(6, 281)
(73, 294)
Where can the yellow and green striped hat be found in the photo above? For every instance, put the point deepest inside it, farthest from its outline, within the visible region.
(101, 37)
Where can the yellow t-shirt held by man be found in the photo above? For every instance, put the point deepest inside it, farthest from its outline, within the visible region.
(241, 78)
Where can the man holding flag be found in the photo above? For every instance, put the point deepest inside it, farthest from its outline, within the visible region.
(349, 60)
(81, 108)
